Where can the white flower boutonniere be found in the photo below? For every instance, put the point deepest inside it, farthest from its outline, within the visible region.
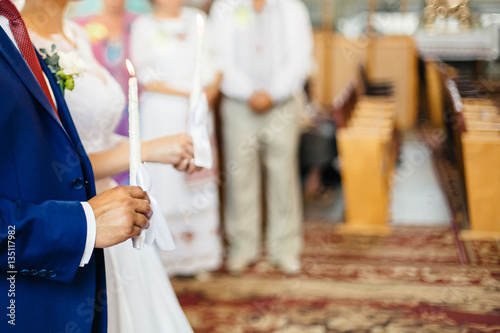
(64, 66)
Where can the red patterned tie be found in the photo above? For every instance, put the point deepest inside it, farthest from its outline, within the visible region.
(23, 40)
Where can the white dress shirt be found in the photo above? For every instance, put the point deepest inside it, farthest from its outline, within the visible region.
(269, 50)
(89, 213)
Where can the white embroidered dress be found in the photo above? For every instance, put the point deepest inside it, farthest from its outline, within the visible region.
(164, 50)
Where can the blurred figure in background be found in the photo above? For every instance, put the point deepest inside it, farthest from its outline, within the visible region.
(264, 48)
(163, 49)
(109, 34)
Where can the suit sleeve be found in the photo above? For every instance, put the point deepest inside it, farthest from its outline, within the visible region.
(45, 241)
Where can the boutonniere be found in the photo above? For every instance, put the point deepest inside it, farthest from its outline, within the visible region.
(64, 66)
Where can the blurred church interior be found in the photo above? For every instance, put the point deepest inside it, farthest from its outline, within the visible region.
(400, 167)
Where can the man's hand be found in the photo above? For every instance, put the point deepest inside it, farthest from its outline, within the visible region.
(260, 102)
(120, 213)
(172, 149)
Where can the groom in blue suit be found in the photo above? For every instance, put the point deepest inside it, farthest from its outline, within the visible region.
(52, 226)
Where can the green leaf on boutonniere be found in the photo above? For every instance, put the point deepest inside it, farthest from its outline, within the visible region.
(70, 83)
(61, 80)
(53, 61)
(61, 74)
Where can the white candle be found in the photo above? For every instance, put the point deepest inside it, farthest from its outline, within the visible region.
(196, 89)
(134, 134)
(133, 123)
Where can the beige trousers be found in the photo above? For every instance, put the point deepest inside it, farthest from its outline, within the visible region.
(253, 143)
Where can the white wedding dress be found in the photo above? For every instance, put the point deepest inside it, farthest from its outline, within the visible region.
(140, 296)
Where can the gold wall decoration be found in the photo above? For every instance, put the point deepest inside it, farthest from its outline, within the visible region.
(459, 9)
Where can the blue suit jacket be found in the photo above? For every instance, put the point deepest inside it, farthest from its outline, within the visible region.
(44, 174)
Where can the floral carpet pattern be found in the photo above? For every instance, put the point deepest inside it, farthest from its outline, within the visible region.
(418, 279)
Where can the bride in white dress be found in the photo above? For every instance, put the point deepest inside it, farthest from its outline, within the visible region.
(163, 48)
(140, 296)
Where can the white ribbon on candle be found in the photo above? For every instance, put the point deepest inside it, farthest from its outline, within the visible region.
(198, 129)
(158, 229)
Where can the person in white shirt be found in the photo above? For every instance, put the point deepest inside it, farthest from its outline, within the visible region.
(264, 49)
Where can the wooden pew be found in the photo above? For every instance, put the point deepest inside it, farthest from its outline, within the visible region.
(481, 154)
(366, 144)
(482, 174)
(343, 105)
(473, 142)
(478, 102)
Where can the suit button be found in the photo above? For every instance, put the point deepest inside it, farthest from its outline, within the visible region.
(52, 273)
(42, 272)
(34, 272)
(24, 272)
(78, 183)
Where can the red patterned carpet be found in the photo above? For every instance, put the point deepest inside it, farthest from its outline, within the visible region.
(419, 279)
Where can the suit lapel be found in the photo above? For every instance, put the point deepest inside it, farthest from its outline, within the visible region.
(12, 55)
(59, 98)
(69, 127)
